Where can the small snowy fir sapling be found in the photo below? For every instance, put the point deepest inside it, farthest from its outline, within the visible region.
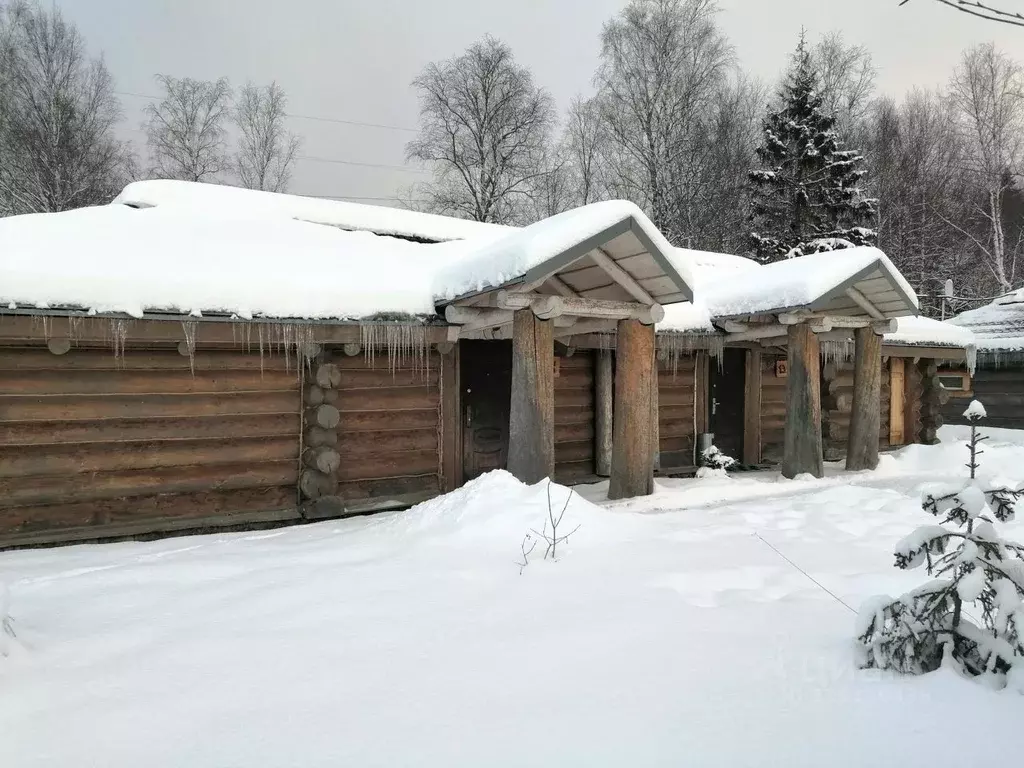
(973, 569)
(714, 463)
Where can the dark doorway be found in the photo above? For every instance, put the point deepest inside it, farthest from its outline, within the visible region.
(486, 378)
(725, 401)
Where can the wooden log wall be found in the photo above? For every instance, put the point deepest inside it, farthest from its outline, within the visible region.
(933, 397)
(913, 389)
(1001, 391)
(94, 445)
(676, 412)
(385, 437)
(837, 405)
(773, 409)
(575, 406)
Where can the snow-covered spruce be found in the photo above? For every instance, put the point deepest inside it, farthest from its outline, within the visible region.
(714, 463)
(974, 572)
(806, 195)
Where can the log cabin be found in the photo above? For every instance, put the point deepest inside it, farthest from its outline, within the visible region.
(997, 376)
(193, 357)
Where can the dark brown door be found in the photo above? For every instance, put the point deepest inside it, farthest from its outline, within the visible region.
(725, 403)
(486, 391)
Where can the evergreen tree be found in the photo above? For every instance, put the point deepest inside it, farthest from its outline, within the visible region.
(806, 196)
(970, 616)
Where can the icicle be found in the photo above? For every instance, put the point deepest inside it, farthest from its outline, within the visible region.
(972, 358)
(679, 345)
(401, 341)
(836, 350)
(118, 335)
(188, 328)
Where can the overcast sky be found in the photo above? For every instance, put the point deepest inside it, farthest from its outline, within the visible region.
(354, 59)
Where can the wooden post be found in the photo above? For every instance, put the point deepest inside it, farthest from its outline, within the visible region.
(803, 404)
(632, 451)
(752, 408)
(604, 383)
(862, 443)
(451, 418)
(701, 384)
(897, 420)
(655, 416)
(531, 440)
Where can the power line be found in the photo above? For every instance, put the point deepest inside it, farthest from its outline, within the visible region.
(317, 118)
(405, 168)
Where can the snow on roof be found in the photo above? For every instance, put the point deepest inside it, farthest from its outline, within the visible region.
(817, 282)
(925, 332)
(117, 259)
(999, 326)
(706, 267)
(234, 201)
(565, 245)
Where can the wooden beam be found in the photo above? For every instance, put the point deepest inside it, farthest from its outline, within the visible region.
(547, 307)
(622, 277)
(862, 301)
(752, 408)
(474, 318)
(862, 442)
(655, 418)
(897, 397)
(604, 383)
(803, 448)
(752, 334)
(531, 443)
(632, 472)
(561, 286)
(451, 421)
(586, 327)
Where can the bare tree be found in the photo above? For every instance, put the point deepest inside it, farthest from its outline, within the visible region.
(663, 62)
(266, 151)
(484, 129)
(57, 115)
(585, 142)
(187, 139)
(982, 11)
(847, 76)
(987, 90)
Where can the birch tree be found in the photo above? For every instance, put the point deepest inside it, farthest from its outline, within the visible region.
(266, 149)
(585, 141)
(186, 130)
(57, 117)
(987, 90)
(484, 132)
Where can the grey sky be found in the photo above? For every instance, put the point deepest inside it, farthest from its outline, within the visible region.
(354, 59)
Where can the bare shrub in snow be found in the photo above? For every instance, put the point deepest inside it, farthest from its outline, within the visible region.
(972, 568)
(266, 149)
(553, 538)
(186, 129)
(527, 547)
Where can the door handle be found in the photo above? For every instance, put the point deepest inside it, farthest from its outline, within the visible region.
(714, 406)
(469, 415)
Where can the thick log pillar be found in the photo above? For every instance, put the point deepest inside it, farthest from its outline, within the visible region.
(531, 434)
(862, 443)
(632, 471)
(803, 404)
(604, 383)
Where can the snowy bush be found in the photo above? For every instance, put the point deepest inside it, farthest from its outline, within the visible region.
(714, 463)
(973, 571)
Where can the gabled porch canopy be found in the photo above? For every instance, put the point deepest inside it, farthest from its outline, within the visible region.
(604, 262)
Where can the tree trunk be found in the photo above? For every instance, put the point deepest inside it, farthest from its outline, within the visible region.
(803, 449)
(862, 443)
(632, 449)
(531, 443)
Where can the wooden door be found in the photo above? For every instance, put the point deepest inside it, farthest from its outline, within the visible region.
(725, 401)
(486, 378)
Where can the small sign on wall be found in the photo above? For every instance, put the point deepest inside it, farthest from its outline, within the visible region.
(781, 369)
(557, 366)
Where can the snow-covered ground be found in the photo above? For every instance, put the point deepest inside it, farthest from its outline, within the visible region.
(672, 630)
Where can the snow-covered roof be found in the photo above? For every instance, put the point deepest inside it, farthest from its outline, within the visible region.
(819, 282)
(999, 326)
(925, 332)
(116, 259)
(580, 248)
(234, 201)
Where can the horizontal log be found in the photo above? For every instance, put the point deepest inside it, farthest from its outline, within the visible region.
(97, 382)
(573, 414)
(367, 443)
(40, 359)
(577, 450)
(378, 361)
(675, 397)
(397, 464)
(773, 409)
(682, 366)
(118, 430)
(574, 378)
(672, 444)
(369, 378)
(71, 458)
(327, 376)
(27, 490)
(385, 420)
(356, 490)
(567, 433)
(54, 407)
(674, 412)
(389, 399)
(104, 512)
(570, 472)
(574, 397)
(675, 427)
